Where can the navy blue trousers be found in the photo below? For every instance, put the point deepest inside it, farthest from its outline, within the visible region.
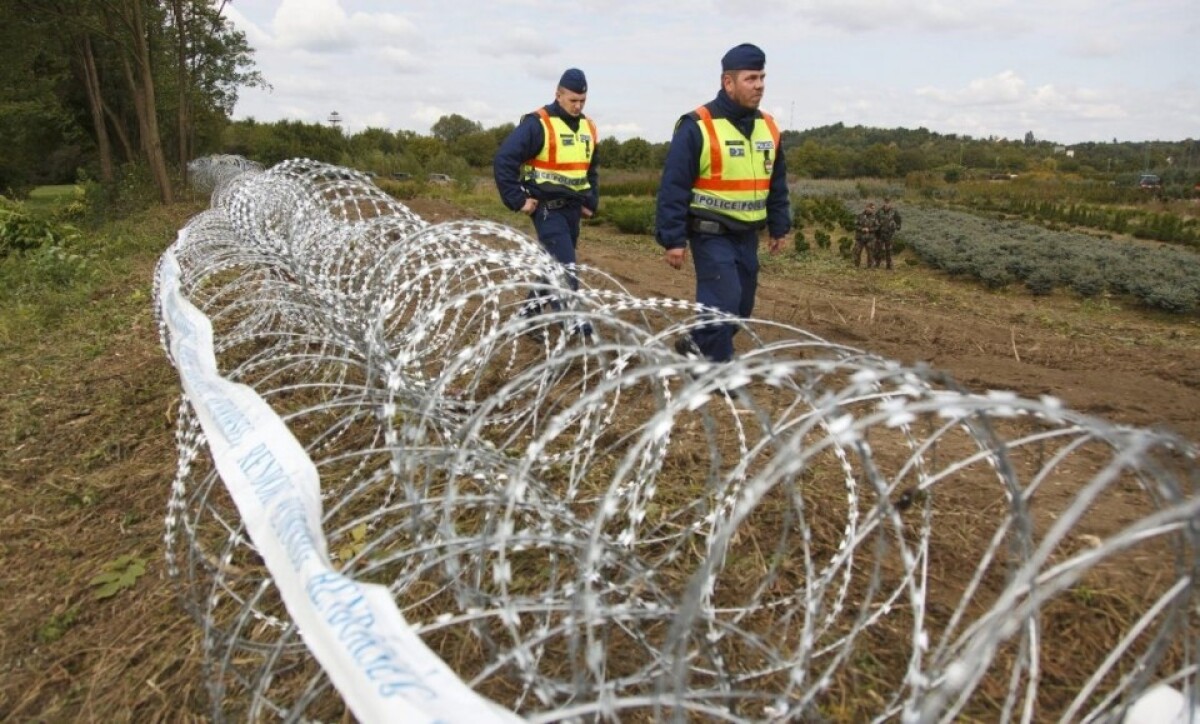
(558, 232)
(726, 279)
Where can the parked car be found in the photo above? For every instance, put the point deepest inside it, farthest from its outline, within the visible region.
(440, 178)
(1150, 181)
(401, 176)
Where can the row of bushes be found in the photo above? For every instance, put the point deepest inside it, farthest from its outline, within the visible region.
(1142, 223)
(1000, 253)
(824, 216)
(635, 214)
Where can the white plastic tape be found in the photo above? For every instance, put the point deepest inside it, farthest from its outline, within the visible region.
(382, 668)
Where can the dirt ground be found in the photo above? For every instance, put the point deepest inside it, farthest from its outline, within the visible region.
(84, 483)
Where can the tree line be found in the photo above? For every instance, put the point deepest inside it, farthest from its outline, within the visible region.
(91, 88)
(459, 145)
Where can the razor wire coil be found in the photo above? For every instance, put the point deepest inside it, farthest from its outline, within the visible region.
(593, 527)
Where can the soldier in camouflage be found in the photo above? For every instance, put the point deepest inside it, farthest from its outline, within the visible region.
(888, 223)
(866, 226)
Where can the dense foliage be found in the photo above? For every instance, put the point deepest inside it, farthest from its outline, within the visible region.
(840, 151)
(92, 86)
(1003, 252)
(823, 153)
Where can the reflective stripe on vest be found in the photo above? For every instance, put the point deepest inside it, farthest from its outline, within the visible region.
(735, 172)
(566, 155)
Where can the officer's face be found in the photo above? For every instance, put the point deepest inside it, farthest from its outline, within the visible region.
(745, 87)
(570, 101)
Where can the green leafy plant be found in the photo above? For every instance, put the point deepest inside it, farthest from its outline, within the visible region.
(630, 215)
(117, 575)
(57, 625)
(21, 232)
(801, 245)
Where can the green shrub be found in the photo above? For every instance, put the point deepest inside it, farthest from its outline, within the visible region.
(994, 276)
(825, 212)
(631, 187)
(56, 267)
(1177, 298)
(823, 239)
(1088, 283)
(629, 215)
(133, 191)
(38, 256)
(21, 232)
(402, 190)
(800, 244)
(1040, 282)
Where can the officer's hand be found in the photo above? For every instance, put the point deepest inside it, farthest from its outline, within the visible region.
(587, 213)
(675, 257)
(530, 206)
(776, 244)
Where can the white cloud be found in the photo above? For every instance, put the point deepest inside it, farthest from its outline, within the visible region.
(1097, 46)
(397, 59)
(428, 115)
(936, 16)
(1078, 103)
(1065, 70)
(1002, 88)
(303, 86)
(298, 113)
(255, 35)
(384, 26)
(378, 119)
(620, 131)
(314, 25)
(520, 41)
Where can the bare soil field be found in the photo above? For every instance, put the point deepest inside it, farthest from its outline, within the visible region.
(89, 449)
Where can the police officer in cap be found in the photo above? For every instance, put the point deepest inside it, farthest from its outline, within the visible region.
(724, 181)
(547, 168)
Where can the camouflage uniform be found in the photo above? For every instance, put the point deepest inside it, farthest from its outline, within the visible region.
(888, 220)
(866, 226)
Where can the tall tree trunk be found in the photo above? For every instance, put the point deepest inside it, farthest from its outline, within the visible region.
(185, 88)
(91, 84)
(118, 128)
(141, 85)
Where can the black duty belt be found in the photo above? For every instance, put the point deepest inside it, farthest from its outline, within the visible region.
(707, 226)
(556, 204)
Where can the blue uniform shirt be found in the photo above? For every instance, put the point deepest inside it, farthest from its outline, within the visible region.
(524, 143)
(683, 166)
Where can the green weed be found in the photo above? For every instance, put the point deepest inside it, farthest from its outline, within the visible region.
(118, 575)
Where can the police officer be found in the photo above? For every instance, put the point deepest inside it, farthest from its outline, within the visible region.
(547, 168)
(866, 229)
(724, 180)
(889, 223)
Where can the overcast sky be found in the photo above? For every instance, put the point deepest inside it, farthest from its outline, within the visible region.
(1068, 70)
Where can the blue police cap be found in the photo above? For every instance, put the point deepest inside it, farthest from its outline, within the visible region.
(573, 80)
(744, 57)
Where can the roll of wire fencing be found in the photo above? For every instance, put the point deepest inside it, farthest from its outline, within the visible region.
(400, 495)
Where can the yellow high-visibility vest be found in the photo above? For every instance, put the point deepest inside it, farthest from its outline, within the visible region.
(566, 155)
(735, 172)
